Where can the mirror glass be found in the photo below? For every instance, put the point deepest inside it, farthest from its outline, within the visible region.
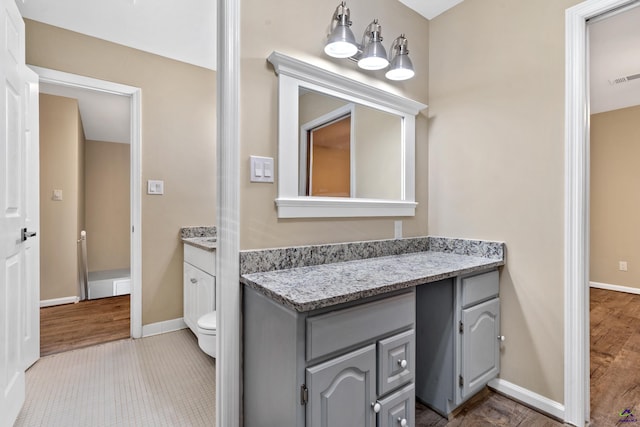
(348, 149)
(345, 148)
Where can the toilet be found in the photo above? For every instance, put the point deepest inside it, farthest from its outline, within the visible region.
(207, 332)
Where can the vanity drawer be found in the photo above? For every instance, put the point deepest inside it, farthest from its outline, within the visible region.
(204, 260)
(480, 287)
(396, 362)
(336, 330)
(398, 407)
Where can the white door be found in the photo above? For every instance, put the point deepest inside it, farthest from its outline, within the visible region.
(30, 327)
(13, 206)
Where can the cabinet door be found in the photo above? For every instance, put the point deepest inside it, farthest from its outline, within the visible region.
(480, 349)
(205, 294)
(190, 278)
(342, 390)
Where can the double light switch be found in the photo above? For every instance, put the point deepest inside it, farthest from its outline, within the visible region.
(261, 169)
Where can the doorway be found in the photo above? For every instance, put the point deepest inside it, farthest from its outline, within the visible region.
(577, 169)
(614, 44)
(102, 251)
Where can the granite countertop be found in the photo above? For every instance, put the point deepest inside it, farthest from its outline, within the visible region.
(200, 237)
(312, 287)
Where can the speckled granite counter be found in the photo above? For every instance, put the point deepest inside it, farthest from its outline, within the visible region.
(200, 237)
(324, 275)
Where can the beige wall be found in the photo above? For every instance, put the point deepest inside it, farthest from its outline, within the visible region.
(496, 154)
(269, 26)
(615, 199)
(178, 146)
(60, 165)
(107, 205)
(496, 151)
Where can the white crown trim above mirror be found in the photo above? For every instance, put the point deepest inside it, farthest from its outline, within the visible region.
(294, 75)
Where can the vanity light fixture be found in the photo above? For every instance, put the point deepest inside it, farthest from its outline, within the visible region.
(371, 54)
(374, 56)
(401, 66)
(341, 42)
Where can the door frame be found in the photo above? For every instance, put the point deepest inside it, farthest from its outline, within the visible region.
(576, 218)
(60, 78)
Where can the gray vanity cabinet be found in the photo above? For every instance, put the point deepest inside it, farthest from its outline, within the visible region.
(349, 365)
(457, 333)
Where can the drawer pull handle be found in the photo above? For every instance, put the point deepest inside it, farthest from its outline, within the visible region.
(402, 422)
(376, 406)
(501, 338)
(402, 363)
(194, 280)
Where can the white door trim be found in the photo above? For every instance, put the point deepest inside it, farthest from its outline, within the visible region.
(228, 291)
(576, 276)
(73, 80)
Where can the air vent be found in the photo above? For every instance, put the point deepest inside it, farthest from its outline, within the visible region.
(626, 79)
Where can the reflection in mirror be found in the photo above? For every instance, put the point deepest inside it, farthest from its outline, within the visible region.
(347, 149)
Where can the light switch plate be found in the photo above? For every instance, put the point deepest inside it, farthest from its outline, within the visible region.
(261, 169)
(155, 187)
(57, 195)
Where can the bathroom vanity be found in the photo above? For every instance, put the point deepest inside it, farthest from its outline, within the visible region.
(199, 271)
(351, 334)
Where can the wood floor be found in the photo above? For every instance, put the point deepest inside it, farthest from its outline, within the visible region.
(615, 374)
(615, 357)
(491, 409)
(70, 326)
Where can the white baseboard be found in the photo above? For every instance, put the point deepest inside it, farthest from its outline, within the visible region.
(58, 301)
(616, 288)
(163, 327)
(528, 398)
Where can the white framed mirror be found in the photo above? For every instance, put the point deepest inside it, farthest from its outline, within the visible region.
(345, 149)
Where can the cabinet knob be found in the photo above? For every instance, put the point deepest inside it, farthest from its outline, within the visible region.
(402, 363)
(402, 422)
(501, 338)
(193, 280)
(376, 407)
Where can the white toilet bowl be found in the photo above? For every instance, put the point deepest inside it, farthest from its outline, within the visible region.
(207, 332)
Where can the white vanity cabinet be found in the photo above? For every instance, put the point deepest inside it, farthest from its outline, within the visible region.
(199, 284)
(458, 336)
(353, 365)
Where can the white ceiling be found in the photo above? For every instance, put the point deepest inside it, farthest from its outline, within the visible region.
(105, 116)
(185, 31)
(615, 53)
(430, 8)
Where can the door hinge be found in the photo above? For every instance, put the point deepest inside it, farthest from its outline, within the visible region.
(461, 327)
(304, 394)
(460, 381)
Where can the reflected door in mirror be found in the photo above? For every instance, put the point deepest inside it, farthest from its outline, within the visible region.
(329, 159)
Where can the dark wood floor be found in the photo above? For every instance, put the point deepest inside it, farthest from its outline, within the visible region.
(615, 357)
(70, 326)
(490, 409)
(615, 374)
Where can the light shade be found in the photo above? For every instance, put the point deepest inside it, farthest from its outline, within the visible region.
(401, 67)
(341, 42)
(374, 55)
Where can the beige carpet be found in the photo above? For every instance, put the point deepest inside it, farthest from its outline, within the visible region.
(164, 380)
